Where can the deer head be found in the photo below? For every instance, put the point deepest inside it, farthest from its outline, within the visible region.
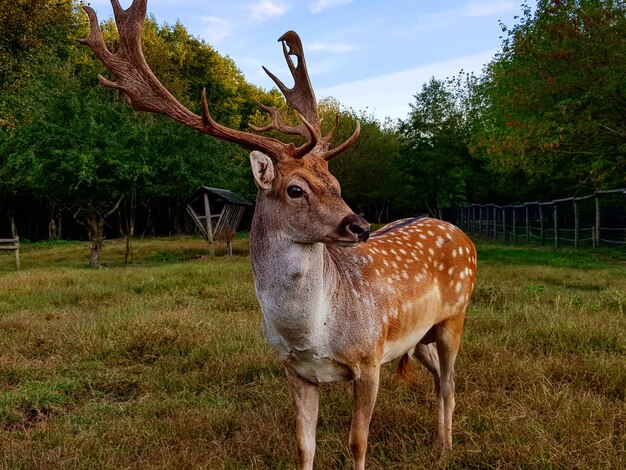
(305, 200)
(293, 181)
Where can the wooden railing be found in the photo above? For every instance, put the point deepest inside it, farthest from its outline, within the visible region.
(12, 244)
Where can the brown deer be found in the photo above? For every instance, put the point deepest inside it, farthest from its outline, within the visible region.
(334, 308)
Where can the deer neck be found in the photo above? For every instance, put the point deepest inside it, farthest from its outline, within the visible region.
(293, 281)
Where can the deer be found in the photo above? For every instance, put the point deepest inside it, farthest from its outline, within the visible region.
(337, 301)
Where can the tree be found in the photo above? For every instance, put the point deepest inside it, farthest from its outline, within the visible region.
(81, 150)
(77, 164)
(367, 171)
(35, 44)
(27, 27)
(435, 158)
(554, 99)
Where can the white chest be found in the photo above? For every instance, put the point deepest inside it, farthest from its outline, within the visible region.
(301, 337)
(303, 314)
(290, 290)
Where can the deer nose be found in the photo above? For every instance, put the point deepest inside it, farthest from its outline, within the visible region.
(357, 225)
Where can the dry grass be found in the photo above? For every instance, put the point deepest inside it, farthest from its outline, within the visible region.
(163, 364)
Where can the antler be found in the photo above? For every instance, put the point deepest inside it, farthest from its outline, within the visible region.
(302, 98)
(145, 92)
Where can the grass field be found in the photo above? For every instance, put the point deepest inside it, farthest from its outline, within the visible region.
(163, 364)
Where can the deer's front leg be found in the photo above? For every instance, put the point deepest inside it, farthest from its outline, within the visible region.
(306, 397)
(365, 391)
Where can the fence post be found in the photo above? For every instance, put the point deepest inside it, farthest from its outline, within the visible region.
(17, 244)
(527, 224)
(514, 227)
(495, 223)
(597, 221)
(556, 226)
(542, 233)
(576, 224)
(504, 223)
(542, 239)
(209, 224)
(485, 227)
(473, 218)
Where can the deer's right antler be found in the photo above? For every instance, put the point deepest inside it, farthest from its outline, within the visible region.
(145, 92)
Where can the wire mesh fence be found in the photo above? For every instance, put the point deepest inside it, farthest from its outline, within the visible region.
(595, 220)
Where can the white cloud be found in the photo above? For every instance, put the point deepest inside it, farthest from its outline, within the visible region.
(217, 29)
(444, 18)
(266, 9)
(320, 5)
(389, 95)
(335, 48)
(480, 9)
(324, 66)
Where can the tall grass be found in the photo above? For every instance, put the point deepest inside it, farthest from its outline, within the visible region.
(163, 364)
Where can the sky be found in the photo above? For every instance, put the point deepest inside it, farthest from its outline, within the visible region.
(370, 55)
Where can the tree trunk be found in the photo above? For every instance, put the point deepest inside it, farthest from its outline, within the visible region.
(380, 212)
(54, 224)
(130, 227)
(93, 220)
(95, 225)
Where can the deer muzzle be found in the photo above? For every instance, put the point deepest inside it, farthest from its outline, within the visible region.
(355, 226)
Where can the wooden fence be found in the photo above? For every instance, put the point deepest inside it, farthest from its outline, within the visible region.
(598, 219)
(12, 243)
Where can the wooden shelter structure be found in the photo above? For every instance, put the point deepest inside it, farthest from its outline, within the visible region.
(217, 213)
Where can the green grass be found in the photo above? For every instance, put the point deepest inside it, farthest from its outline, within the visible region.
(163, 364)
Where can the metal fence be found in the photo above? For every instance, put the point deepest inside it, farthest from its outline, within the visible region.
(595, 220)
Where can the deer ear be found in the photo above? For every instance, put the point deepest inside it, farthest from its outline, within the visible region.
(262, 170)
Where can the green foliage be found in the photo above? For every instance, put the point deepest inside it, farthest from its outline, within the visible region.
(27, 27)
(435, 160)
(546, 119)
(554, 99)
(368, 170)
(68, 141)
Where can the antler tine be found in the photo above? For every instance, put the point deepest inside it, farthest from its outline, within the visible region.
(95, 41)
(332, 153)
(328, 137)
(278, 124)
(304, 129)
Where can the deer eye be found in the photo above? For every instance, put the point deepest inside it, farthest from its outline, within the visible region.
(295, 192)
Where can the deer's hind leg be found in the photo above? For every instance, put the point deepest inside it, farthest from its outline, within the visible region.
(437, 352)
(427, 355)
(448, 341)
